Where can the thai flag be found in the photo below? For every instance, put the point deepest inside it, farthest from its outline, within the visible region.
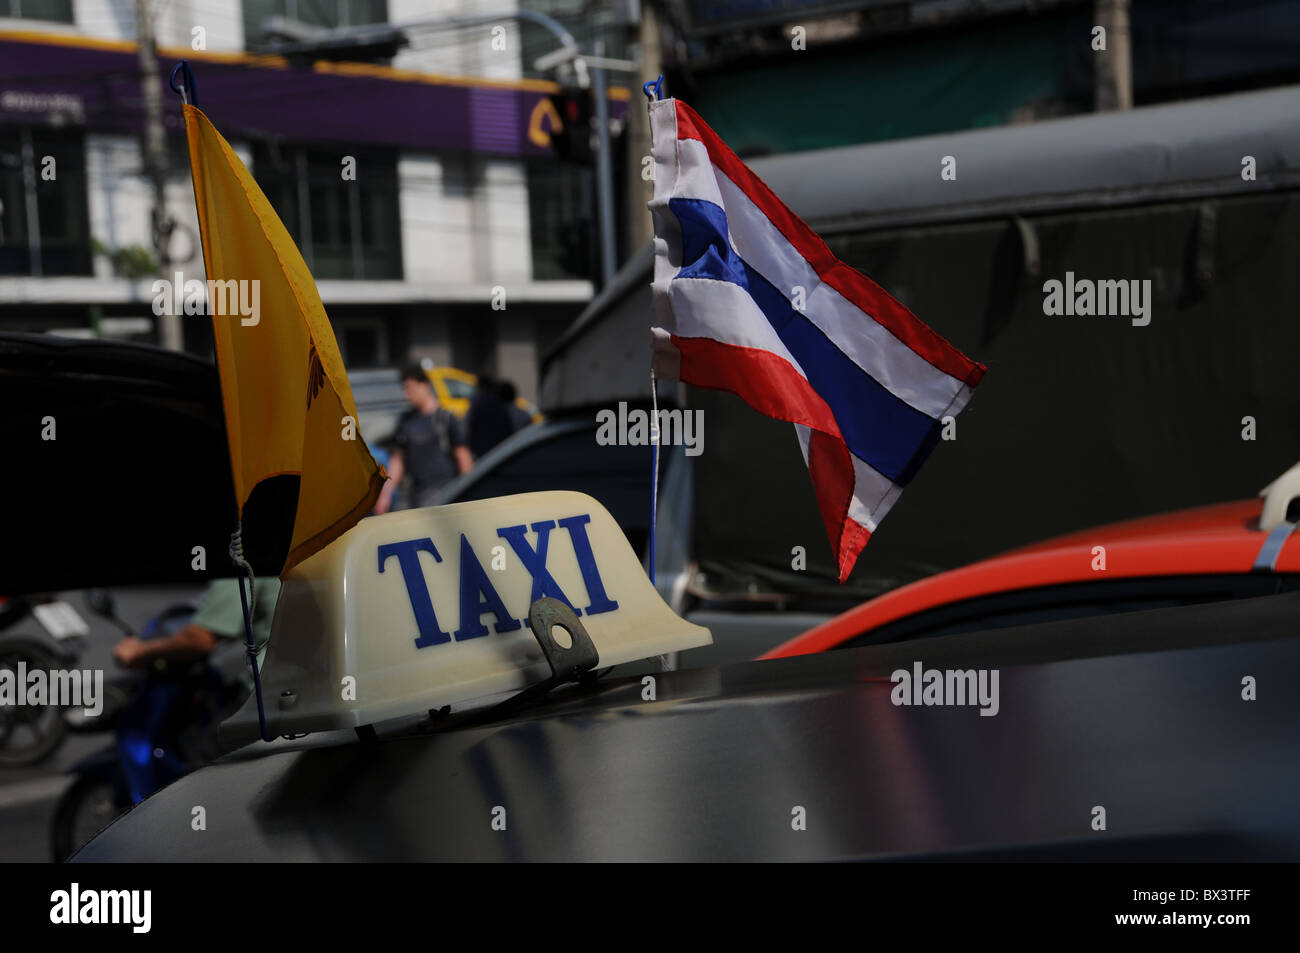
(749, 299)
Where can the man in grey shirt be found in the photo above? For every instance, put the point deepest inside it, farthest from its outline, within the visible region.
(429, 444)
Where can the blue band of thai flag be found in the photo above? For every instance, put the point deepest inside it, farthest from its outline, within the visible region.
(749, 299)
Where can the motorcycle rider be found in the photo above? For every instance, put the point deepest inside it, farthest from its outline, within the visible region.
(196, 673)
(220, 616)
(219, 619)
(174, 718)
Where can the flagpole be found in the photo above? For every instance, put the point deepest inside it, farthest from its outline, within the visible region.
(653, 90)
(188, 92)
(250, 649)
(654, 468)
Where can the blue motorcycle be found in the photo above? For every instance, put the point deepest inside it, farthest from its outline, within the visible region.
(164, 722)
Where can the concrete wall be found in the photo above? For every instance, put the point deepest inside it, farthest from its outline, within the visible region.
(464, 51)
(105, 19)
(222, 22)
(503, 218)
(459, 52)
(516, 352)
(435, 203)
(464, 219)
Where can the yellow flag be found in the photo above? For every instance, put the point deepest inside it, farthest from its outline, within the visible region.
(290, 416)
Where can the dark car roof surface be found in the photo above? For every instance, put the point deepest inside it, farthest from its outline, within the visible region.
(1140, 713)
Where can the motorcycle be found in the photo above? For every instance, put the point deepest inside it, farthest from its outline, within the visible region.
(164, 727)
(30, 733)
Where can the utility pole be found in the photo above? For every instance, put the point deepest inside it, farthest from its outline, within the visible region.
(1114, 75)
(640, 227)
(154, 153)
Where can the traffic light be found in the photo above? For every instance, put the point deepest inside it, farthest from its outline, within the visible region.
(573, 139)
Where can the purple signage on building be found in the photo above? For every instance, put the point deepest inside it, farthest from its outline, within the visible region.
(96, 86)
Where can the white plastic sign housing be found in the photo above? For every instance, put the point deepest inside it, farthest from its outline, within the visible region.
(422, 608)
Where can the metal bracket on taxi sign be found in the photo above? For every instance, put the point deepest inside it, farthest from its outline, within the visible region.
(567, 664)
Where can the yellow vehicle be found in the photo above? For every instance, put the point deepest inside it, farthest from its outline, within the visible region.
(454, 388)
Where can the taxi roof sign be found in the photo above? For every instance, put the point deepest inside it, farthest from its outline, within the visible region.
(417, 609)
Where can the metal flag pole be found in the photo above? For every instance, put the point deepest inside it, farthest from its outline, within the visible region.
(250, 648)
(188, 92)
(654, 468)
(652, 92)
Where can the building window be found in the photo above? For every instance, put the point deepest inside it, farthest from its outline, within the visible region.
(322, 13)
(345, 228)
(363, 342)
(562, 221)
(44, 226)
(57, 11)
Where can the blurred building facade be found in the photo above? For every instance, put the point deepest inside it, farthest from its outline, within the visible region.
(474, 184)
(775, 76)
(460, 232)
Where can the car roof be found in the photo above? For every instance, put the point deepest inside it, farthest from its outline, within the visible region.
(520, 440)
(1220, 521)
(601, 773)
(1223, 538)
(96, 506)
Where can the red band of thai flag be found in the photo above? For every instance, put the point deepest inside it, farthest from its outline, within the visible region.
(750, 300)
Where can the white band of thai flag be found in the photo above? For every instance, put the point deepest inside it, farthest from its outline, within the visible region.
(748, 299)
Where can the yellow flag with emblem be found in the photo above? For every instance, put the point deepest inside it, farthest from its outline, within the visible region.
(295, 448)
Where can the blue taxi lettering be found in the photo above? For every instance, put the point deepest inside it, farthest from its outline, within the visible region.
(577, 527)
(478, 595)
(534, 561)
(408, 558)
